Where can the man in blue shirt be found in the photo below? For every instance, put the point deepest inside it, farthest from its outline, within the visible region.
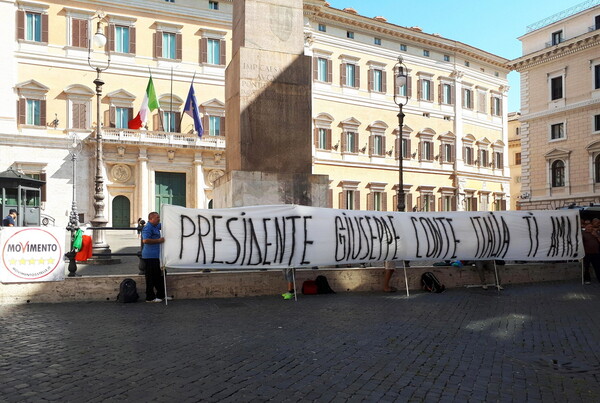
(151, 238)
(9, 220)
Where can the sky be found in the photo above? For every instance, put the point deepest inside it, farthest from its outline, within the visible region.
(489, 25)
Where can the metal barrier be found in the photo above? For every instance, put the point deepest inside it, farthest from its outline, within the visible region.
(71, 254)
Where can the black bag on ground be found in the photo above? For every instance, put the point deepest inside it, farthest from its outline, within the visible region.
(430, 283)
(127, 291)
(323, 285)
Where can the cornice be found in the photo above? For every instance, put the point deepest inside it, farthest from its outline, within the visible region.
(323, 13)
(555, 52)
(567, 108)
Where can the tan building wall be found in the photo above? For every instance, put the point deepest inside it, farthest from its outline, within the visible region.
(559, 130)
(514, 159)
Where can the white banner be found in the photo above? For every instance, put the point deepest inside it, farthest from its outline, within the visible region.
(32, 254)
(283, 236)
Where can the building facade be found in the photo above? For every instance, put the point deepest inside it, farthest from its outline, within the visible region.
(454, 136)
(560, 109)
(514, 159)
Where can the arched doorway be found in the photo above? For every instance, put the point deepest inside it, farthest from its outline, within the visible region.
(121, 217)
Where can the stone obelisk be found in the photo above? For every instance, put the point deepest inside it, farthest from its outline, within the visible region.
(268, 110)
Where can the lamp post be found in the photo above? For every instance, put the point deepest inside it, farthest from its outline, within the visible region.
(98, 41)
(74, 146)
(400, 98)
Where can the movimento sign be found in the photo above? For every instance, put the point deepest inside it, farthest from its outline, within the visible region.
(31, 254)
(282, 236)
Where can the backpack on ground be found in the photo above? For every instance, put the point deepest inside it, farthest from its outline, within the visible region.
(309, 287)
(430, 283)
(323, 285)
(127, 291)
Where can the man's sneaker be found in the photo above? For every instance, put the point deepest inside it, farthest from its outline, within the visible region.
(485, 287)
(288, 295)
(155, 300)
(169, 298)
(500, 287)
(588, 282)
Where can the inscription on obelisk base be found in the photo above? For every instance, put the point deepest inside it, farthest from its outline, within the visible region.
(268, 110)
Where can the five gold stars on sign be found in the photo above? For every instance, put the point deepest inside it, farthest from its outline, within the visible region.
(31, 261)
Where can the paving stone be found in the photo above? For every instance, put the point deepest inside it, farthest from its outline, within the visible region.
(534, 342)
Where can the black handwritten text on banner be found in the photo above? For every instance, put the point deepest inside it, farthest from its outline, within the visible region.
(296, 236)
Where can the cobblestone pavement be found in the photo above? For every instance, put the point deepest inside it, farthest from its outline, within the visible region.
(535, 343)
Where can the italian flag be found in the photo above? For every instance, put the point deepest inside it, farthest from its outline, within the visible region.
(149, 104)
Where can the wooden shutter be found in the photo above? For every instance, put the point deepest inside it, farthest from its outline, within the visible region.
(453, 203)
(383, 145)
(177, 122)
(75, 31)
(395, 202)
(431, 94)
(316, 137)
(384, 201)
(203, 50)
(452, 153)
(440, 92)
(370, 79)
(329, 71)
(370, 203)
(330, 198)
(356, 76)
(356, 141)
(43, 113)
(419, 90)
(45, 28)
(342, 199)
(371, 146)
(75, 113)
(205, 124)
(432, 203)
(343, 74)
(452, 94)
(384, 81)
(397, 144)
(112, 112)
(178, 46)
(343, 142)
(43, 188)
(132, 49)
(156, 123)
(20, 24)
(328, 145)
(473, 203)
(110, 37)
(409, 202)
(223, 53)
(315, 68)
(22, 111)
(503, 204)
(158, 44)
(420, 150)
(223, 132)
(408, 86)
(357, 200)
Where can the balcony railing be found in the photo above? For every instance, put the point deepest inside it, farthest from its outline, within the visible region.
(162, 138)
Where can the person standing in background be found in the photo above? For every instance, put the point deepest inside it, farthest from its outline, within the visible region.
(151, 239)
(9, 220)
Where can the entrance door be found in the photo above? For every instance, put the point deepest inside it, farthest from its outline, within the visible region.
(120, 212)
(170, 189)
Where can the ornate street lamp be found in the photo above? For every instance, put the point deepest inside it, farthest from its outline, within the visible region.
(400, 98)
(99, 41)
(74, 146)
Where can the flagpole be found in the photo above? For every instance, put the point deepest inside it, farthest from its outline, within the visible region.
(181, 117)
(159, 110)
(171, 107)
